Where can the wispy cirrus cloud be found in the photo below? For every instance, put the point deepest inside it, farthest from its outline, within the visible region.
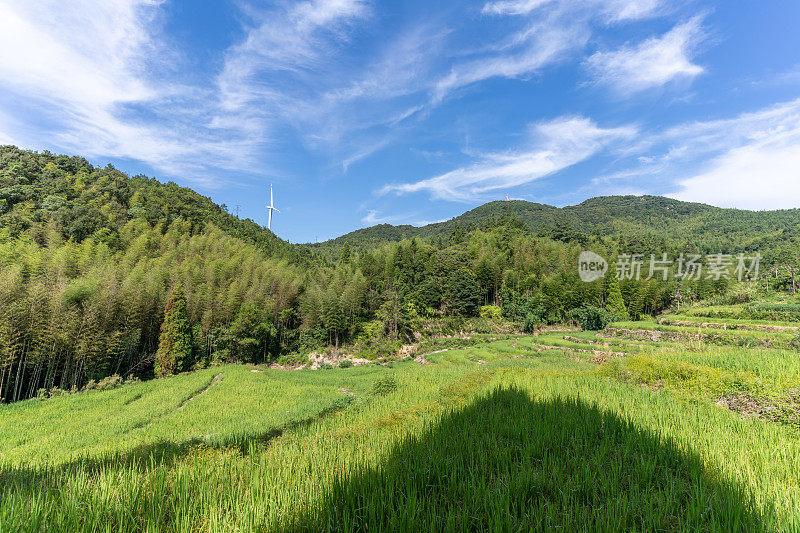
(294, 68)
(612, 10)
(373, 217)
(551, 32)
(651, 63)
(96, 77)
(299, 68)
(553, 146)
(542, 46)
(286, 43)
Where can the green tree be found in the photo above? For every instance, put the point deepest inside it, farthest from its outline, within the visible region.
(175, 344)
(253, 335)
(463, 292)
(345, 257)
(333, 315)
(615, 304)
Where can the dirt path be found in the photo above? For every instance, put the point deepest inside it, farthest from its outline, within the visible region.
(214, 381)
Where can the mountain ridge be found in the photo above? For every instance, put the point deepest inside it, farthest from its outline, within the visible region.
(653, 217)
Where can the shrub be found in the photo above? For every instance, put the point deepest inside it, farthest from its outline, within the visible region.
(175, 343)
(491, 312)
(312, 338)
(111, 382)
(381, 349)
(347, 363)
(384, 385)
(795, 342)
(452, 325)
(292, 359)
(326, 366)
(531, 322)
(592, 318)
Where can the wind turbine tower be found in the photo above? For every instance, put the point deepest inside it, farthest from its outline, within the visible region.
(271, 208)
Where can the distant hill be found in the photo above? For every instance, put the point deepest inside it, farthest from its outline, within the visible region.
(633, 218)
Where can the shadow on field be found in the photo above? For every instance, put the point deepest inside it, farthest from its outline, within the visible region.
(508, 463)
(142, 458)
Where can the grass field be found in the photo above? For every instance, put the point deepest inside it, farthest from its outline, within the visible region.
(573, 431)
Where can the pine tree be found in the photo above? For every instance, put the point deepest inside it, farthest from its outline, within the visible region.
(175, 344)
(614, 302)
(345, 257)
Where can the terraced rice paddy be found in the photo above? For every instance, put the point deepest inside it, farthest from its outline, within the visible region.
(645, 426)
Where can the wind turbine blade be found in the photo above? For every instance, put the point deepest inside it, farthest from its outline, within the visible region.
(276, 209)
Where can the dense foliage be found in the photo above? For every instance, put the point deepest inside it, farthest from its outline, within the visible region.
(89, 258)
(641, 224)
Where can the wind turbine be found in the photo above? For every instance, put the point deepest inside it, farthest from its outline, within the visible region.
(271, 207)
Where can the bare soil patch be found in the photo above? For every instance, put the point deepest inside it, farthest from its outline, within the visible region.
(784, 409)
(597, 356)
(726, 325)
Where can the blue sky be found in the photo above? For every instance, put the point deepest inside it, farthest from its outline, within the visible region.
(362, 112)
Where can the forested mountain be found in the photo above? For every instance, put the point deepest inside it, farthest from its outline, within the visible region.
(645, 224)
(42, 190)
(104, 274)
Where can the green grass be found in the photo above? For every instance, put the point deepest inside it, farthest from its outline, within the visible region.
(240, 404)
(497, 436)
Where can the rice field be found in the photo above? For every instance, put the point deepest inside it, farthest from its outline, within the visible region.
(567, 430)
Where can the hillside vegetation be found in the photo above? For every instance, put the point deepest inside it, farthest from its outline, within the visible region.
(93, 261)
(644, 224)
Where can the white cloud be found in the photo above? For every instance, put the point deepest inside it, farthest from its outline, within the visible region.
(750, 161)
(754, 159)
(83, 71)
(287, 41)
(554, 29)
(61, 60)
(364, 152)
(514, 7)
(543, 46)
(652, 63)
(372, 218)
(553, 146)
(756, 176)
(619, 10)
(612, 10)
